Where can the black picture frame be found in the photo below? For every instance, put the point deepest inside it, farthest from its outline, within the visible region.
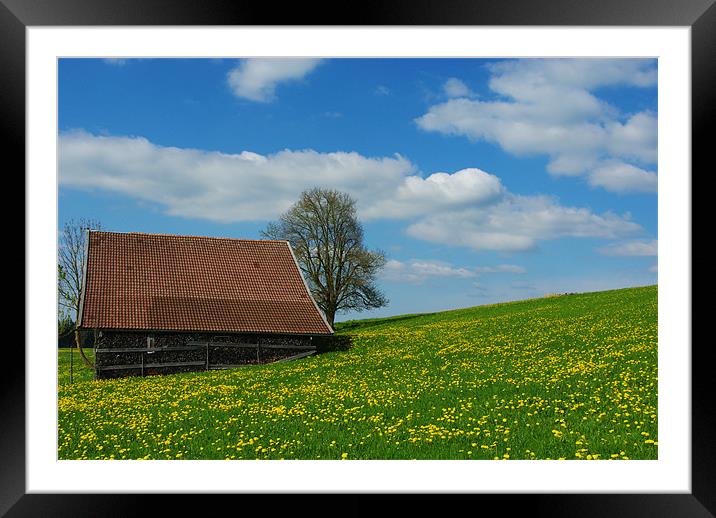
(700, 15)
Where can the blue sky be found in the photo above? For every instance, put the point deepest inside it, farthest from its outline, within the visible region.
(482, 180)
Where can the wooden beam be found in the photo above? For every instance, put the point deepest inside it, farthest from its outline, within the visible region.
(254, 346)
(223, 344)
(147, 349)
(297, 347)
(146, 365)
(297, 356)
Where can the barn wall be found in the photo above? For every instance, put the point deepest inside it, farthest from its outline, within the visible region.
(164, 343)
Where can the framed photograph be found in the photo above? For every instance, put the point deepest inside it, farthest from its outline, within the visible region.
(484, 156)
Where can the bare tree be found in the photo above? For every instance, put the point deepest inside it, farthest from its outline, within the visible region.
(327, 238)
(70, 266)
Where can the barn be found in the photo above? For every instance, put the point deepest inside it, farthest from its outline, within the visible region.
(157, 303)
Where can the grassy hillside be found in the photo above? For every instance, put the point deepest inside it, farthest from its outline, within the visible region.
(570, 377)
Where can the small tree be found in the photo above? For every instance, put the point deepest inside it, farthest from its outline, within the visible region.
(65, 324)
(65, 329)
(70, 265)
(327, 238)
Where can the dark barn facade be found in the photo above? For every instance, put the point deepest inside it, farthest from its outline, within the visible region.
(158, 304)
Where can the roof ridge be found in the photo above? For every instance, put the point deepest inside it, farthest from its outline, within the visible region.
(188, 235)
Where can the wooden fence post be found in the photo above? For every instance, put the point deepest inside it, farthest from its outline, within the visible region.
(142, 364)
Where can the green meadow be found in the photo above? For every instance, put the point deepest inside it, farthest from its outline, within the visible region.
(560, 377)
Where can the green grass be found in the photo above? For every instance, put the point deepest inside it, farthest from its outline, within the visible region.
(569, 377)
(80, 372)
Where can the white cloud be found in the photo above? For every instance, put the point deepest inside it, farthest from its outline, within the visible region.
(248, 186)
(517, 223)
(417, 271)
(509, 268)
(637, 247)
(256, 78)
(468, 208)
(620, 177)
(382, 90)
(416, 195)
(524, 78)
(115, 61)
(217, 186)
(637, 138)
(545, 107)
(453, 87)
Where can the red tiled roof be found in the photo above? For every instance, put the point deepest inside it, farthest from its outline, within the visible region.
(189, 283)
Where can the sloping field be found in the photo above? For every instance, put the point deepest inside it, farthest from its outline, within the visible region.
(571, 377)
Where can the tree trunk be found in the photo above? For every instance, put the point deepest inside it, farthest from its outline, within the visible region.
(82, 353)
(331, 316)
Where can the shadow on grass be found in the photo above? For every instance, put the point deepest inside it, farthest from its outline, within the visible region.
(352, 325)
(326, 344)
